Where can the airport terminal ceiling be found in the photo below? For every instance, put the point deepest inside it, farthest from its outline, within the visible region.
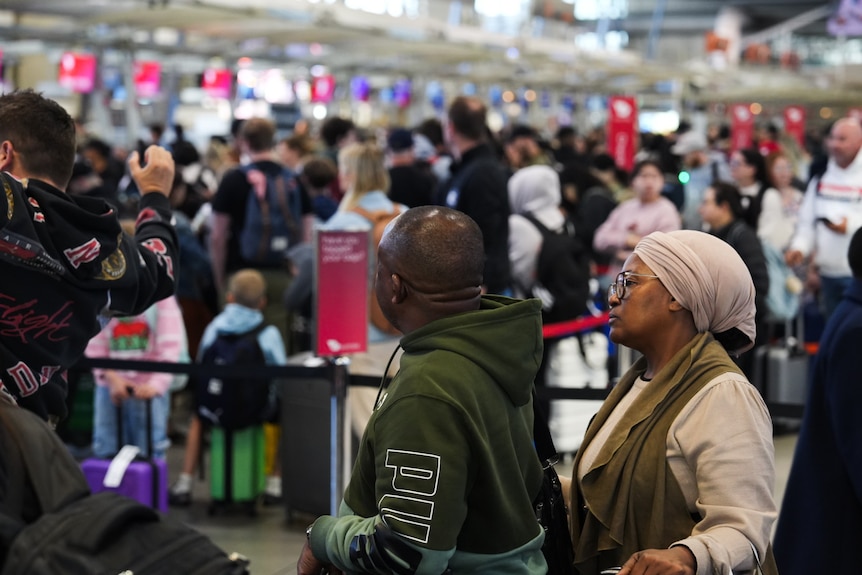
(664, 39)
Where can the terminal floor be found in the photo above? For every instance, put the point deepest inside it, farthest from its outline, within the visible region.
(273, 545)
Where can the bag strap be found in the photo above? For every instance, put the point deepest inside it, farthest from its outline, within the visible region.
(539, 225)
(542, 435)
(281, 198)
(376, 215)
(759, 569)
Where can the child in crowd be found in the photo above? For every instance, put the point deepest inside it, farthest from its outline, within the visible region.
(155, 335)
(245, 298)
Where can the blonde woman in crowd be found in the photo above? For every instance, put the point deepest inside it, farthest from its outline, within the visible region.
(363, 175)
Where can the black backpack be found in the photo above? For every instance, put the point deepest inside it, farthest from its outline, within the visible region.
(234, 402)
(108, 533)
(562, 274)
(50, 524)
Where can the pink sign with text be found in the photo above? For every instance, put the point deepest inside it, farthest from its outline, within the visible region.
(341, 297)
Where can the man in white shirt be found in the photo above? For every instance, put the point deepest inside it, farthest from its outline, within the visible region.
(831, 212)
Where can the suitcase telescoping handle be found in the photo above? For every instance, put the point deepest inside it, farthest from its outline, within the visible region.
(148, 418)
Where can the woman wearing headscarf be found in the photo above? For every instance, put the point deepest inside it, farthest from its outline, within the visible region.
(676, 471)
(533, 190)
(577, 360)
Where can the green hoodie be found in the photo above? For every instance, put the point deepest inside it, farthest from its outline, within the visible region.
(447, 461)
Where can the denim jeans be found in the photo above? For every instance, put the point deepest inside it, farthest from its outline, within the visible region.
(134, 424)
(831, 291)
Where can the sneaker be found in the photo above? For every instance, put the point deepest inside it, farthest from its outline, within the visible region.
(272, 493)
(270, 500)
(180, 493)
(181, 499)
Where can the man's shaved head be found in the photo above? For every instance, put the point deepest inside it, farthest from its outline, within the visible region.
(437, 250)
(845, 140)
(429, 266)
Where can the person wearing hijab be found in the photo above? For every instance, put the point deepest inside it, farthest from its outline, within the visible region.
(533, 190)
(676, 471)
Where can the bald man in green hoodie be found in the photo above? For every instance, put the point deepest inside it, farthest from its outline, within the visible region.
(446, 472)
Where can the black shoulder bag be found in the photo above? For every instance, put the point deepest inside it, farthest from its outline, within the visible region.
(549, 505)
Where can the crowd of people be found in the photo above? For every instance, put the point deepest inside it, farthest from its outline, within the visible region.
(446, 472)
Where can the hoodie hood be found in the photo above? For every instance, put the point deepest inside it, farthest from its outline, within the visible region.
(536, 190)
(237, 318)
(503, 337)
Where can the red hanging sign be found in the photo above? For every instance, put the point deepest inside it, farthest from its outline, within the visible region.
(794, 123)
(148, 77)
(622, 129)
(77, 72)
(323, 88)
(217, 82)
(741, 127)
(341, 294)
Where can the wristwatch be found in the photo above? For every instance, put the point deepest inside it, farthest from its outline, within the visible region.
(308, 532)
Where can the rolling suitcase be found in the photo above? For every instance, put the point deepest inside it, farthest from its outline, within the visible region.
(786, 370)
(236, 468)
(142, 478)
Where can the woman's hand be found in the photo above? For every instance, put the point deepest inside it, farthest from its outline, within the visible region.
(677, 560)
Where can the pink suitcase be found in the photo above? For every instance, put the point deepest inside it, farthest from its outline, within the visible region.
(145, 479)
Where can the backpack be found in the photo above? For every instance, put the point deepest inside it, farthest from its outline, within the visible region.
(272, 210)
(379, 220)
(562, 274)
(233, 402)
(110, 533)
(50, 524)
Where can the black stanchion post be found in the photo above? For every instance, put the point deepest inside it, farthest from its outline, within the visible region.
(336, 435)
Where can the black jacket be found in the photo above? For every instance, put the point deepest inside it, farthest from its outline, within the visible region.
(478, 188)
(67, 268)
(744, 240)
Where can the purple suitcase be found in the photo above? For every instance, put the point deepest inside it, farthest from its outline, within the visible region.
(145, 480)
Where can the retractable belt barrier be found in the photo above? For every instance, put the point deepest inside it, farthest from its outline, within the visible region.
(301, 372)
(577, 325)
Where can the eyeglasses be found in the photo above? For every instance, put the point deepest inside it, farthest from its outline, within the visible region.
(618, 288)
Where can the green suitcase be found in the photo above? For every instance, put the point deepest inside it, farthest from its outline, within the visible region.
(236, 468)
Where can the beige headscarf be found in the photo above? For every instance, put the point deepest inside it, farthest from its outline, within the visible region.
(707, 277)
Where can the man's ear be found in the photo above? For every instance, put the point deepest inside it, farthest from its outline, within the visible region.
(399, 289)
(6, 155)
(674, 305)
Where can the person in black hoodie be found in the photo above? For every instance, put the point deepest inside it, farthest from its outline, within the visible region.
(477, 188)
(722, 209)
(66, 264)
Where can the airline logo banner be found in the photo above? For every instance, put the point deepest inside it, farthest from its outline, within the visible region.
(622, 130)
(741, 127)
(794, 123)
